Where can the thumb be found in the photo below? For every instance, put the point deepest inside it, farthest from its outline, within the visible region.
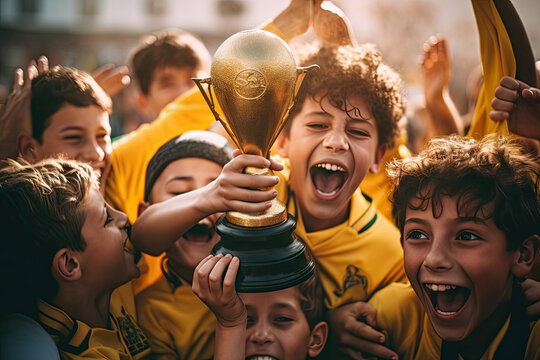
(531, 94)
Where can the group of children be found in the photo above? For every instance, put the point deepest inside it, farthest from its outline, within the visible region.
(446, 279)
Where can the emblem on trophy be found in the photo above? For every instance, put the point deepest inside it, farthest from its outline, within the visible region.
(254, 79)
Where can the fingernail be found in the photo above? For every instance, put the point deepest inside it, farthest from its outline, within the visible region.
(268, 204)
(274, 192)
(381, 339)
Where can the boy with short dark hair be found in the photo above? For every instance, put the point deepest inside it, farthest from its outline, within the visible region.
(163, 65)
(70, 117)
(469, 214)
(282, 324)
(70, 248)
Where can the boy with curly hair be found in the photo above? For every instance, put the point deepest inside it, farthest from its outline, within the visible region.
(469, 214)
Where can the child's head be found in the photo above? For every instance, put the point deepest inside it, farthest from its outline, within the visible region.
(164, 64)
(59, 232)
(345, 117)
(469, 214)
(70, 116)
(286, 324)
(183, 164)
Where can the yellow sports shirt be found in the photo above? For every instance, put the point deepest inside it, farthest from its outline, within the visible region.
(410, 334)
(76, 340)
(178, 324)
(355, 258)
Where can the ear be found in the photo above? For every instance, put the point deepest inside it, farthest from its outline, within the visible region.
(282, 145)
(317, 340)
(379, 156)
(29, 148)
(528, 251)
(66, 266)
(143, 205)
(142, 103)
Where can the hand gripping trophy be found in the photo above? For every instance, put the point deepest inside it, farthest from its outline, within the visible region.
(255, 79)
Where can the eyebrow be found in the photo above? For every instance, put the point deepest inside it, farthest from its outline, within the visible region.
(68, 128)
(180, 178)
(318, 112)
(415, 221)
(474, 219)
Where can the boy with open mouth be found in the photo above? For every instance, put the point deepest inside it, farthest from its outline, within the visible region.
(177, 323)
(469, 214)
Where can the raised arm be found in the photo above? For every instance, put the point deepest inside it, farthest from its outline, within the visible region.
(162, 224)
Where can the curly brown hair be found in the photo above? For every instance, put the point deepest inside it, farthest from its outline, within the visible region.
(347, 71)
(492, 178)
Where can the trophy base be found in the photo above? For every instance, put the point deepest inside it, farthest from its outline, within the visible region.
(271, 258)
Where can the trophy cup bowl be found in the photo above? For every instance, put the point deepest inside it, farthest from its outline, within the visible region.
(255, 80)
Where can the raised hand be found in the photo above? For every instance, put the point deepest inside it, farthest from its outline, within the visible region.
(295, 19)
(112, 79)
(15, 115)
(331, 25)
(518, 103)
(436, 67)
(353, 328)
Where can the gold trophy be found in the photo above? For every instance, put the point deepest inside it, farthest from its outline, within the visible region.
(255, 80)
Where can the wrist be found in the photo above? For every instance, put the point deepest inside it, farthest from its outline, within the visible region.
(238, 321)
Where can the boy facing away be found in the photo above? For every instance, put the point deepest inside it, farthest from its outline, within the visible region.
(469, 214)
(71, 254)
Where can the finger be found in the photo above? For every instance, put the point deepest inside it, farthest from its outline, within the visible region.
(229, 280)
(18, 78)
(275, 164)
(247, 207)
(367, 350)
(510, 83)
(502, 105)
(365, 331)
(353, 354)
(249, 181)
(215, 278)
(531, 94)
(42, 64)
(31, 71)
(499, 115)
(102, 72)
(533, 311)
(195, 283)
(244, 160)
(252, 196)
(504, 93)
(204, 272)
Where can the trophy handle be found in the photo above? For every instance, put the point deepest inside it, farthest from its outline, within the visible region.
(209, 98)
(301, 73)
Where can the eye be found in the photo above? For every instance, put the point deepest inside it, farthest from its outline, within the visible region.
(102, 137)
(467, 236)
(250, 321)
(358, 132)
(416, 235)
(283, 319)
(108, 220)
(73, 138)
(317, 126)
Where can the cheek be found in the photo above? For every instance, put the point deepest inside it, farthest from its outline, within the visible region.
(413, 259)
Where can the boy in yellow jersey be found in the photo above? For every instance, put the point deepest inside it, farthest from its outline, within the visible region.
(283, 324)
(71, 254)
(469, 213)
(177, 323)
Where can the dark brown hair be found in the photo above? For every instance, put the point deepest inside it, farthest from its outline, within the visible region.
(492, 177)
(348, 71)
(59, 85)
(173, 48)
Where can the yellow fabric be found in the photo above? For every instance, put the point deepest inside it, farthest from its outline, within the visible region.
(178, 324)
(125, 185)
(77, 340)
(497, 61)
(410, 334)
(377, 186)
(355, 258)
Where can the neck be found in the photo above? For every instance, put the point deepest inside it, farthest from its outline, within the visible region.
(312, 224)
(176, 269)
(89, 308)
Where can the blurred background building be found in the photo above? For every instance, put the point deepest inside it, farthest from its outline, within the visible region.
(89, 33)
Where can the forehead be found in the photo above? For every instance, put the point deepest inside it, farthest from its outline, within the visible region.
(69, 116)
(354, 108)
(264, 302)
(438, 205)
(93, 204)
(193, 167)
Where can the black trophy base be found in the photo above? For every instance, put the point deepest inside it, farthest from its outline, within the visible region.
(271, 257)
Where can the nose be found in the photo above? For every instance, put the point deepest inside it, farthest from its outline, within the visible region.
(260, 333)
(336, 140)
(439, 257)
(120, 217)
(92, 152)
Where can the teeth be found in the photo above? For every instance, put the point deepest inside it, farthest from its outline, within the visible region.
(444, 312)
(330, 167)
(440, 287)
(327, 194)
(262, 357)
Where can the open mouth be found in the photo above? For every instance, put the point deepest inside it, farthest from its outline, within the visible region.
(261, 357)
(447, 300)
(328, 178)
(199, 233)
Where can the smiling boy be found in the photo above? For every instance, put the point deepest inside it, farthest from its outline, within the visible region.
(344, 119)
(75, 255)
(469, 212)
